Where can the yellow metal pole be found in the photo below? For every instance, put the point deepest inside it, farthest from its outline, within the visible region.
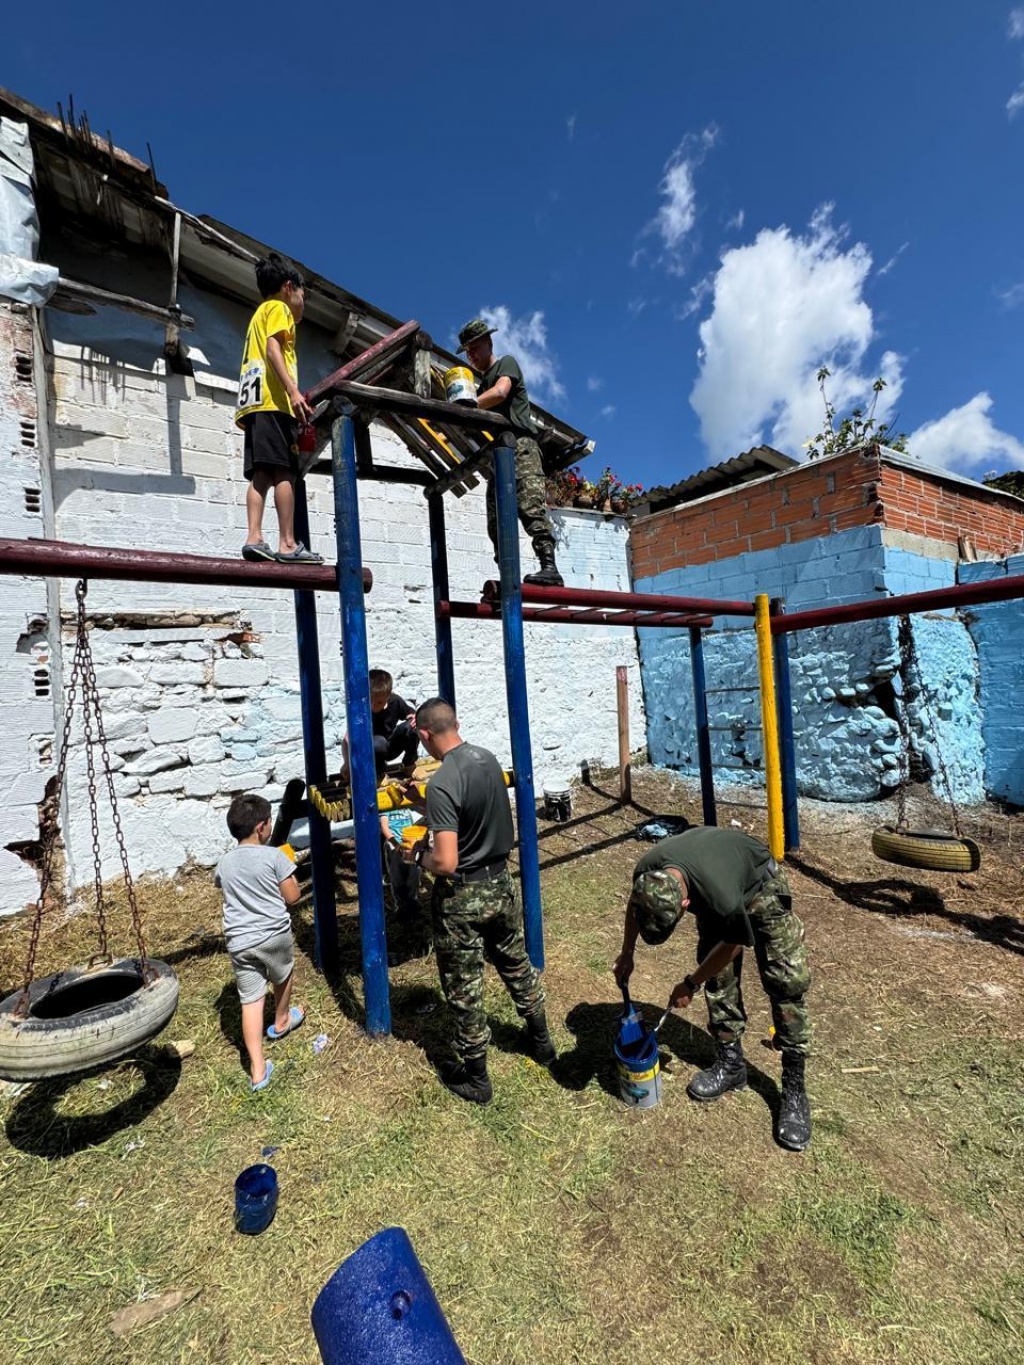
(769, 727)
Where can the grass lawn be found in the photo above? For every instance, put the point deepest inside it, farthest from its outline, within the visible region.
(556, 1225)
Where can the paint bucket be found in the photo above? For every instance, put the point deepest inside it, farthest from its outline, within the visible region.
(557, 801)
(636, 1052)
(460, 386)
(412, 834)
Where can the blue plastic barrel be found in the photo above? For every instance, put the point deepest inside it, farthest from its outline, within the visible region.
(378, 1309)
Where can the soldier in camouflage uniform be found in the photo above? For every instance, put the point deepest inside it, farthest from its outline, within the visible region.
(474, 905)
(740, 899)
(502, 388)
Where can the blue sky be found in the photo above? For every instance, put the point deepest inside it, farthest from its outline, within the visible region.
(676, 210)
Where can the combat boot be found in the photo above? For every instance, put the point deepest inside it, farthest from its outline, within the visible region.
(469, 1080)
(548, 577)
(727, 1072)
(793, 1124)
(541, 1045)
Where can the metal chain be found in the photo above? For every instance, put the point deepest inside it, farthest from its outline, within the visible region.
(922, 698)
(83, 672)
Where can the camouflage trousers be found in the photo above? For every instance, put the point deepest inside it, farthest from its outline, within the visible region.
(474, 923)
(781, 965)
(530, 496)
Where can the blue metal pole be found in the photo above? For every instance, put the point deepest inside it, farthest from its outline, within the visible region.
(515, 690)
(700, 707)
(787, 744)
(442, 624)
(369, 872)
(325, 910)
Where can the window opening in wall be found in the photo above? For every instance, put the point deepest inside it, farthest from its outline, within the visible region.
(22, 368)
(41, 682)
(28, 432)
(33, 500)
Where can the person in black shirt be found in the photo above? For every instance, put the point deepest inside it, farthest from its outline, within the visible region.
(394, 731)
(503, 389)
(474, 907)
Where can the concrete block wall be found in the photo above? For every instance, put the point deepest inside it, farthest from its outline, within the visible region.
(846, 680)
(26, 663)
(997, 629)
(203, 699)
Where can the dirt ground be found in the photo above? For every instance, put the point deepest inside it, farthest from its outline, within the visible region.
(555, 1224)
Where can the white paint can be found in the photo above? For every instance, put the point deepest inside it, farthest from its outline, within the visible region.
(460, 386)
(557, 801)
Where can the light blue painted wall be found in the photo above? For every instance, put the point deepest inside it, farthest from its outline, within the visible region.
(845, 679)
(997, 630)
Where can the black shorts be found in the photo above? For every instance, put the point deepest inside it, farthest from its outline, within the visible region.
(270, 442)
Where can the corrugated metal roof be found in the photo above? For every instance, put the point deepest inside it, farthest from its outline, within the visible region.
(752, 464)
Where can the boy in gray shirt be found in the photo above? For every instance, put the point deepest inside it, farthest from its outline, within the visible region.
(259, 885)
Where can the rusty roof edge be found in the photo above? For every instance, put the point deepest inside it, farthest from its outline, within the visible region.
(50, 124)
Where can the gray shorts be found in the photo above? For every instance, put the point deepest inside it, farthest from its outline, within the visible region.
(272, 960)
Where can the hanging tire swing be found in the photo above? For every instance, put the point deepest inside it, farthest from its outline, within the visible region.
(84, 1016)
(936, 850)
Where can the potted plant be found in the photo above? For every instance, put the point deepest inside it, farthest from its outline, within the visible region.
(586, 494)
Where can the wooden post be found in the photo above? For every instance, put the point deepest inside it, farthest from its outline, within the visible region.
(622, 703)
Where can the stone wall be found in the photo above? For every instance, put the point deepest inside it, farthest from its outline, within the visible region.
(997, 629)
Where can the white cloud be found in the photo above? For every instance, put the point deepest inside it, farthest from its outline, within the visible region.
(570, 126)
(736, 221)
(966, 438)
(891, 262)
(782, 306)
(608, 410)
(526, 338)
(677, 215)
(593, 384)
(1016, 101)
(1012, 296)
(1015, 23)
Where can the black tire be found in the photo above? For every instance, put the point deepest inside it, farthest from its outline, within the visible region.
(926, 848)
(85, 1017)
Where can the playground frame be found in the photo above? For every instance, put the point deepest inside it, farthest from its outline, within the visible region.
(348, 407)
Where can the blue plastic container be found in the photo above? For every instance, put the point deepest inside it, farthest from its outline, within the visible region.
(255, 1198)
(636, 1052)
(378, 1309)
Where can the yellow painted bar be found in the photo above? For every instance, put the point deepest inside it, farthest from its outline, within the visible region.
(769, 727)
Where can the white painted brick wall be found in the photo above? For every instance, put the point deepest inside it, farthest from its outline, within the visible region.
(26, 719)
(154, 462)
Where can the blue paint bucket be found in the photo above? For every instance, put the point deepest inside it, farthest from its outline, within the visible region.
(636, 1052)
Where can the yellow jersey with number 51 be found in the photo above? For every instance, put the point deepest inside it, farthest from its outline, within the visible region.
(259, 389)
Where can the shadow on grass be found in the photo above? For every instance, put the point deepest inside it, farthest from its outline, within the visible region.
(595, 1028)
(36, 1127)
(899, 898)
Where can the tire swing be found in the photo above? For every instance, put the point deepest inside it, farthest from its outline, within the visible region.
(935, 849)
(84, 1016)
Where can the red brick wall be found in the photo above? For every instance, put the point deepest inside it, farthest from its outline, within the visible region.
(817, 499)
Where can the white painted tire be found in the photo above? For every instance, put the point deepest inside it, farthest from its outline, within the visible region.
(118, 1013)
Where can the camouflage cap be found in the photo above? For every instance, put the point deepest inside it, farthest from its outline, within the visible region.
(657, 903)
(473, 331)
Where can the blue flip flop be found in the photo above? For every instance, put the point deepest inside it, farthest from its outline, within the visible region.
(295, 1018)
(262, 1085)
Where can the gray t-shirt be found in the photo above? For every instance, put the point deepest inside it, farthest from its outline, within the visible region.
(250, 875)
(468, 795)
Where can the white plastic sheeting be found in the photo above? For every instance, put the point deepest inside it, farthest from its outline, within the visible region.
(22, 277)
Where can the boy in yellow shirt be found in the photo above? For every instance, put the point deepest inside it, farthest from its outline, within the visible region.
(269, 407)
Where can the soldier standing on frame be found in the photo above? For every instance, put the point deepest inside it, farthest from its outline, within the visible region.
(740, 899)
(503, 389)
(475, 908)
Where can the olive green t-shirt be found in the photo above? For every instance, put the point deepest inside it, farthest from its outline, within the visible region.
(723, 869)
(468, 795)
(516, 406)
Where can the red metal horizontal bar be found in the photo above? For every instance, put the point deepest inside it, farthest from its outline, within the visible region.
(61, 559)
(488, 611)
(362, 361)
(960, 595)
(638, 601)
